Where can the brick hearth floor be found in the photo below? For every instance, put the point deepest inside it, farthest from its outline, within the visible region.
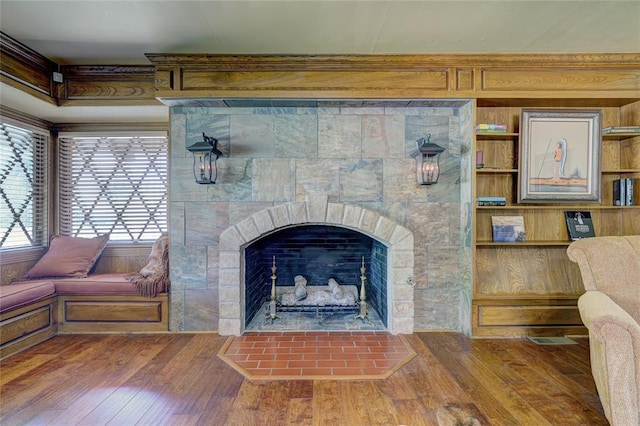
(316, 354)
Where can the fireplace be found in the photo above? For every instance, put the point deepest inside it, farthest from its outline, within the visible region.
(319, 240)
(318, 254)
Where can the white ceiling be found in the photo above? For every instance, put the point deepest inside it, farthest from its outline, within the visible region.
(121, 32)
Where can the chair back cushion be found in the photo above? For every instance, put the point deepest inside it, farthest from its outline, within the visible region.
(612, 266)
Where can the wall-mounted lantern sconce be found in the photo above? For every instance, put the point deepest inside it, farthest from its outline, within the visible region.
(205, 158)
(428, 158)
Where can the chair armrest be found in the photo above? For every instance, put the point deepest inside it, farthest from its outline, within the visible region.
(595, 304)
(614, 339)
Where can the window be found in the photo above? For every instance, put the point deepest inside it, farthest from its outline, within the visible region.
(23, 192)
(113, 184)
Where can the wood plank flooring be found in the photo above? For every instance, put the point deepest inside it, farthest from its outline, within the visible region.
(177, 379)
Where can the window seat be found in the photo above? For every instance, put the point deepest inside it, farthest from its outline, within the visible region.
(33, 311)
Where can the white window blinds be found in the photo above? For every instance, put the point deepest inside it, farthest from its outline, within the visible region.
(113, 184)
(23, 194)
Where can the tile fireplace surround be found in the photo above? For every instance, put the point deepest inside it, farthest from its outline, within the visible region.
(333, 163)
(317, 210)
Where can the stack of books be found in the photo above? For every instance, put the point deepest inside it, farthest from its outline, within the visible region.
(621, 129)
(491, 128)
(492, 201)
(625, 191)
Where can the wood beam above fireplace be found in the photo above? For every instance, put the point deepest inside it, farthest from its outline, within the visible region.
(612, 78)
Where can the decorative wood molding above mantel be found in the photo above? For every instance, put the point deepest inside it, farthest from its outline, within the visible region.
(108, 85)
(589, 79)
(26, 70)
(611, 77)
(88, 85)
(390, 62)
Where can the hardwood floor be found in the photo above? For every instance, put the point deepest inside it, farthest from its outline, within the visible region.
(178, 379)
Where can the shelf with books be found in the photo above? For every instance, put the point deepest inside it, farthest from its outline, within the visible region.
(549, 226)
(538, 269)
(542, 225)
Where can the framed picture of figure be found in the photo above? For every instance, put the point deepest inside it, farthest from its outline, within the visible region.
(559, 155)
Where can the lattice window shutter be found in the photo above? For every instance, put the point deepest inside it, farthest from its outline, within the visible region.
(23, 187)
(113, 184)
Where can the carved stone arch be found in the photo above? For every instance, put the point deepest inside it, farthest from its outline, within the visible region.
(316, 210)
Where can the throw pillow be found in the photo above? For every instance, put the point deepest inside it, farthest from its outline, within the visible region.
(68, 257)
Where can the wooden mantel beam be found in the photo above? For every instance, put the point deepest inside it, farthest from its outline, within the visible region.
(184, 78)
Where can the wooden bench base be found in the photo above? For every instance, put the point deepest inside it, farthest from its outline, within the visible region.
(112, 314)
(29, 325)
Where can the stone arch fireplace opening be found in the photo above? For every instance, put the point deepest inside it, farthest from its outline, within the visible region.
(319, 253)
(384, 233)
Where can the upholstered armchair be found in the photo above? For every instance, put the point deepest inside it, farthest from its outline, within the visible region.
(610, 309)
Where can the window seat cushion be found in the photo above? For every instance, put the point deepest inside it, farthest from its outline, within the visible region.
(23, 293)
(104, 283)
(107, 283)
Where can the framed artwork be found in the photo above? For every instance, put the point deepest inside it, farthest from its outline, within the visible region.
(559, 155)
